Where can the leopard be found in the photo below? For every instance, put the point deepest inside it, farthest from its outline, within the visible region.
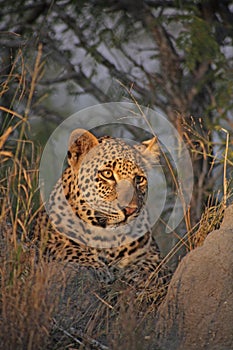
(96, 216)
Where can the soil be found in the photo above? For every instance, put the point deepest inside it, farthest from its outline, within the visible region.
(197, 312)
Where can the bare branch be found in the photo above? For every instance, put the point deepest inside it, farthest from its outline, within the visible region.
(77, 76)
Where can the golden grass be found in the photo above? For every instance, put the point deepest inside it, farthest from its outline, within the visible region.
(27, 301)
(210, 220)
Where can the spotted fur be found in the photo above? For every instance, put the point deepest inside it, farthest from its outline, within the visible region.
(96, 216)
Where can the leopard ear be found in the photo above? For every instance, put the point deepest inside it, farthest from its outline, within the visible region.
(80, 143)
(152, 146)
(150, 151)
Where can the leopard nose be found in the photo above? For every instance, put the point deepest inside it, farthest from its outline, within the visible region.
(127, 197)
(130, 210)
(125, 193)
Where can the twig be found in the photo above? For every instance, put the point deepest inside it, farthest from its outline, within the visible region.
(103, 301)
(67, 333)
(225, 170)
(35, 76)
(88, 339)
(93, 342)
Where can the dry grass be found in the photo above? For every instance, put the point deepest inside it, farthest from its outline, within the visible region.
(28, 299)
(210, 221)
(28, 294)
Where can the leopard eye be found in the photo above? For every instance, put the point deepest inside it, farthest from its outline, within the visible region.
(140, 180)
(107, 174)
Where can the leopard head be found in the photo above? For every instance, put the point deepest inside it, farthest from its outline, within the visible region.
(105, 186)
(109, 179)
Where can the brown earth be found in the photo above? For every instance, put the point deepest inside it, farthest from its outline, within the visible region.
(197, 312)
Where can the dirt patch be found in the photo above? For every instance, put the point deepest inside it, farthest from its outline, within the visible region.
(197, 312)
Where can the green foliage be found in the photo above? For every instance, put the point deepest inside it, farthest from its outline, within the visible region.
(199, 44)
